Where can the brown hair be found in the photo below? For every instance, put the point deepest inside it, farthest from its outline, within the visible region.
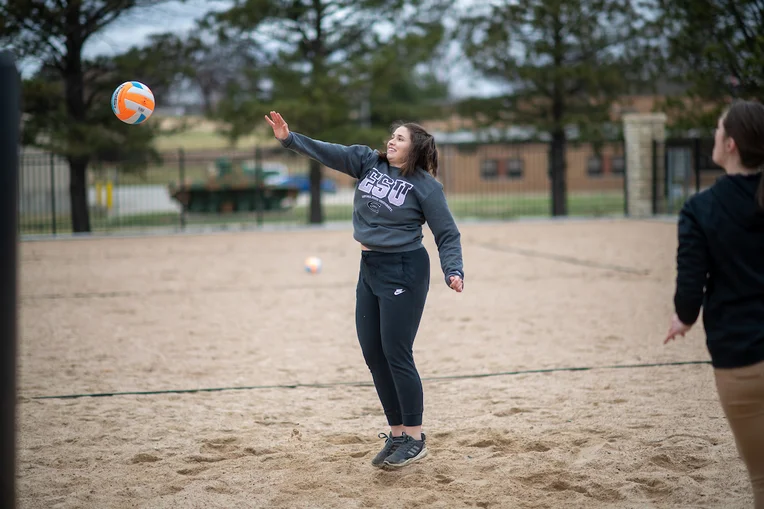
(744, 123)
(423, 152)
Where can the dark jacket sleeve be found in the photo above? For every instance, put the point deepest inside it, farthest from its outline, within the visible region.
(446, 233)
(350, 160)
(692, 266)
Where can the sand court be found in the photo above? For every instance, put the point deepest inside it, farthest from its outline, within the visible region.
(295, 419)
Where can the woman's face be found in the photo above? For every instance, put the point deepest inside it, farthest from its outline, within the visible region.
(724, 146)
(399, 146)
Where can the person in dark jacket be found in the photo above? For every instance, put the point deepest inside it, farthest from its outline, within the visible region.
(720, 267)
(396, 193)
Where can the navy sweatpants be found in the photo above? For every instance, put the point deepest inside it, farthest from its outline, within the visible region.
(390, 297)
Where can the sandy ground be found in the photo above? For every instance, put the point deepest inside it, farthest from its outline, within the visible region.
(238, 311)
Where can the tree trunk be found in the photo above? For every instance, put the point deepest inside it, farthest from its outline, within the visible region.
(78, 194)
(74, 79)
(558, 167)
(557, 156)
(316, 212)
(317, 73)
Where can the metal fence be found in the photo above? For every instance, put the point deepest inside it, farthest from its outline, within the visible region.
(270, 186)
(682, 167)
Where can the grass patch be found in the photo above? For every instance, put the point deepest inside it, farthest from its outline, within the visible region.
(481, 207)
(513, 206)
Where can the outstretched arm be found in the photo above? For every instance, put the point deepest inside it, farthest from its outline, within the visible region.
(350, 160)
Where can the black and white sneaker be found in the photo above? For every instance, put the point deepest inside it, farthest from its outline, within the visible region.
(408, 451)
(391, 445)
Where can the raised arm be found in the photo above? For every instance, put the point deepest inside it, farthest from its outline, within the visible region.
(447, 238)
(350, 160)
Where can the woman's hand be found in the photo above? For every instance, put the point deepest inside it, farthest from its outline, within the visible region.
(457, 284)
(677, 328)
(279, 126)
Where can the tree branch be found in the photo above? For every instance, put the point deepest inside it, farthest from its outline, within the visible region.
(749, 38)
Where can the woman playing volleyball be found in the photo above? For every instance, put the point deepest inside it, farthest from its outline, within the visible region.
(396, 194)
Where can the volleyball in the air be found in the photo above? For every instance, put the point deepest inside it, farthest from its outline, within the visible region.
(313, 265)
(132, 102)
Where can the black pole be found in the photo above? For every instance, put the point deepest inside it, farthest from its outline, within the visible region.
(182, 183)
(9, 171)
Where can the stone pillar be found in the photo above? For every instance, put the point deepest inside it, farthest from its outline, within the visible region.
(640, 130)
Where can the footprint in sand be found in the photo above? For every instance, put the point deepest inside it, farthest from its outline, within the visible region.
(683, 463)
(537, 447)
(259, 452)
(496, 440)
(169, 490)
(222, 490)
(213, 450)
(651, 486)
(443, 479)
(561, 485)
(511, 411)
(192, 470)
(144, 458)
(219, 445)
(198, 458)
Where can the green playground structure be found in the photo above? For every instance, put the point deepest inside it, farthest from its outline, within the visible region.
(235, 188)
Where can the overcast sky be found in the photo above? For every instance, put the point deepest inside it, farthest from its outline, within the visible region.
(134, 28)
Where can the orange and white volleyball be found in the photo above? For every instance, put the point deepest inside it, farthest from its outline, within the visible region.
(132, 102)
(313, 265)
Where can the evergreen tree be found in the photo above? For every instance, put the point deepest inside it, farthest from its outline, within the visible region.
(67, 101)
(716, 49)
(564, 61)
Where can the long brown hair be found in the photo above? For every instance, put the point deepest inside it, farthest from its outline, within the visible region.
(744, 123)
(423, 152)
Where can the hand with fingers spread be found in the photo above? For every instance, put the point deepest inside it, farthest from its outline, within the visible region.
(279, 125)
(457, 284)
(677, 328)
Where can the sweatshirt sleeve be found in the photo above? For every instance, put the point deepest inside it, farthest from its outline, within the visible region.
(692, 266)
(447, 236)
(350, 160)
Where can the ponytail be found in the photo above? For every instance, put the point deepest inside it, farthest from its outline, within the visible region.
(431, 156)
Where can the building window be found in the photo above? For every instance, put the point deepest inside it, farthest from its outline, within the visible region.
(489, 169)
(515, 168)
(617, 165)
(594, 166)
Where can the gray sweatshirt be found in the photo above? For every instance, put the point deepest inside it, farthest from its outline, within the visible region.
(388, 208)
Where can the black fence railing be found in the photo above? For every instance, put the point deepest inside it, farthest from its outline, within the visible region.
(243, 189)
(682, 167)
